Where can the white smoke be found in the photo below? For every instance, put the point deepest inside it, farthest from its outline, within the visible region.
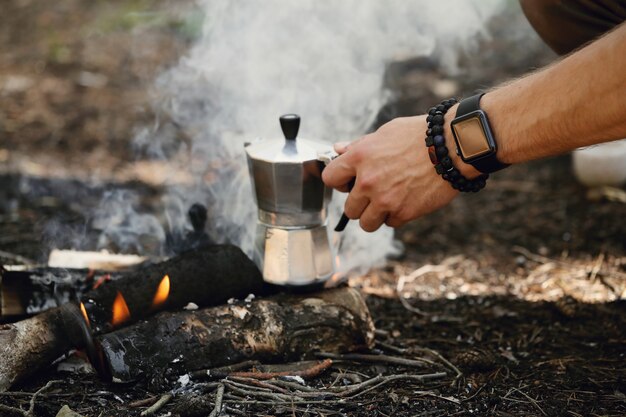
(123, 228)
(322, 59)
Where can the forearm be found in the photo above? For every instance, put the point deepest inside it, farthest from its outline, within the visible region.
(579, 101)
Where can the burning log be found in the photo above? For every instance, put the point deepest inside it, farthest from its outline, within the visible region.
(280, 328)
(206, 277)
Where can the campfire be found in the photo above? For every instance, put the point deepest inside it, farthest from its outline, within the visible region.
(158, 317)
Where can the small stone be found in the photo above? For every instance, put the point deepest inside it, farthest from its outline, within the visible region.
(66, 411)
(183, 380)
(191, 306)
(294, 378)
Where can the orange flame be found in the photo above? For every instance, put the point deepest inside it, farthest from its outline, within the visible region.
(162, 292)
(121, 313)
(84, 313)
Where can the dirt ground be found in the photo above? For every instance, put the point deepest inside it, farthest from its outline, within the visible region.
(520, 288)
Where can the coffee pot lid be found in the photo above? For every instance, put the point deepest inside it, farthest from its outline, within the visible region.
(287, 150)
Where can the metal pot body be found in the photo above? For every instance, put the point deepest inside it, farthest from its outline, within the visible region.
(289, 194)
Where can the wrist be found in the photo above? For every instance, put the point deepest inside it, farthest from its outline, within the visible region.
(493, 109)
(467, 170)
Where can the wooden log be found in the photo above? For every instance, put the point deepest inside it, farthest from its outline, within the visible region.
(32, 344)
(280, 328)
(26, 292)
(67, 258)
(207, 277)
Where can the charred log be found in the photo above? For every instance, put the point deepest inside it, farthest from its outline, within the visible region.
(29, 292)
(281, 328)
(206, 277)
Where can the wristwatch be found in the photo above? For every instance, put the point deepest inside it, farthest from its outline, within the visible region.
(475, 142)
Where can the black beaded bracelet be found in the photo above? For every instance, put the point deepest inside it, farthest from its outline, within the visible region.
(439, 155)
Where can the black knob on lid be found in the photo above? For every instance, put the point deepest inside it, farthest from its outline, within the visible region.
(198, 215)
(290, 123)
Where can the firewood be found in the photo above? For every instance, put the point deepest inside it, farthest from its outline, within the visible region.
(31, 291)
(92, 260)
(280, 328)
(207, 277)
(31, 344)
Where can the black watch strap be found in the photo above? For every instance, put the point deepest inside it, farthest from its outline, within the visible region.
(489, 163)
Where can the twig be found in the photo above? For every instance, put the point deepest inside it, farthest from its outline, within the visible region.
(31, 408)
(268, 387)
(352, 389)
(380, 333)
(232, 410)
(241, 385)
(544, 260)
(596, 267)
(595, 273)
(464, 400)
(383, 380)
(441, 397)
(532, 400)
(426, 269)
(144, 403)
(275, 402)
(256, 382)
(357, 357)
(157, 405)
(293, 385)
(390, 347)
(438, 355)
(224, 371)
(260, 392)
(218, 401)
(12, 410)
(308, 373)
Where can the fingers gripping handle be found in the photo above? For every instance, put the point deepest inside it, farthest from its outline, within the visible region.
(327, 157)
(343, 222)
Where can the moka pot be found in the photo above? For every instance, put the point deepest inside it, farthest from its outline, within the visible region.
(292, 247)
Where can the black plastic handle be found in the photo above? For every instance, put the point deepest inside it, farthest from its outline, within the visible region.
(290, 124)
(343, 221)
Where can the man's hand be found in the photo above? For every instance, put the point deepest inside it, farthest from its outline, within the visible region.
(395, 180)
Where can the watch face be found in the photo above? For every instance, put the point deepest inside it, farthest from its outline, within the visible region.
(472, 139)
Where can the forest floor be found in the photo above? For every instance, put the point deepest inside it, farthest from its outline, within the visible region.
(520, 288)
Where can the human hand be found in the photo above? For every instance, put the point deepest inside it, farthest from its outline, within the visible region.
(395, 180)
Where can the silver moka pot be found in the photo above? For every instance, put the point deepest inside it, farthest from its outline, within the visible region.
(292, 246)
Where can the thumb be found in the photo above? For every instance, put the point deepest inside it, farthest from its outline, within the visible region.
(341, 147)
